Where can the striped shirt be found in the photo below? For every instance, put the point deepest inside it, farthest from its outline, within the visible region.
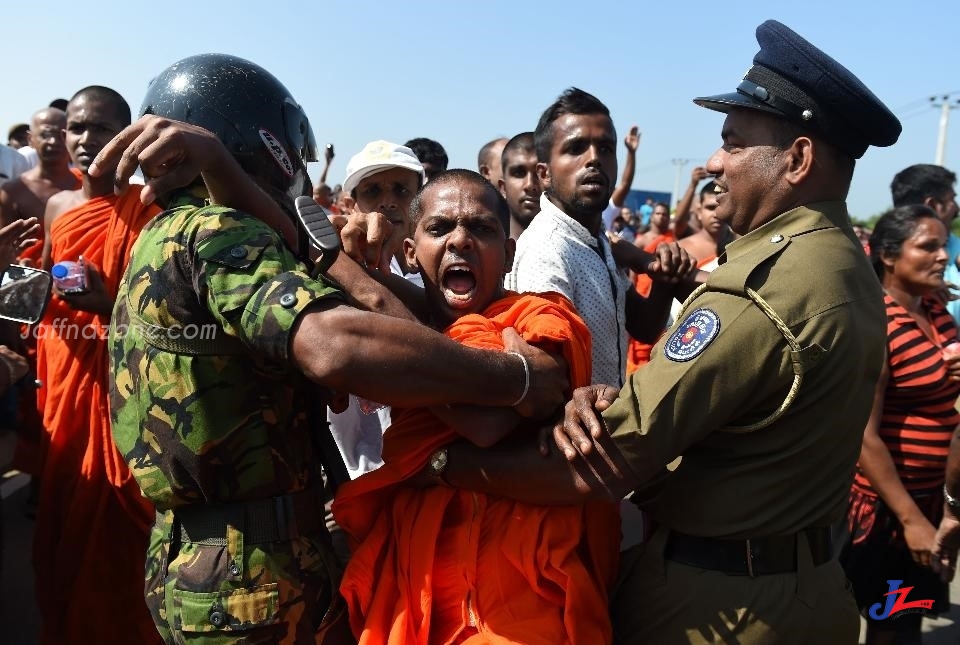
(919, 416)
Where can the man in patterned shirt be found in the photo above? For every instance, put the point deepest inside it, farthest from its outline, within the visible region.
(564, 249)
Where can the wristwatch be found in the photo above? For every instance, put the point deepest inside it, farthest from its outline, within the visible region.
(437, 465)
(952, 502)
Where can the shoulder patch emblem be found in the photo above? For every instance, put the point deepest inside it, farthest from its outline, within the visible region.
(692, 335)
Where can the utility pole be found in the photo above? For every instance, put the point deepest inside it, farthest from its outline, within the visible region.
(945, 107)
(679, 163)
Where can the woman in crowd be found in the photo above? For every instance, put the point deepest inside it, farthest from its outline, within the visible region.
(896, 499)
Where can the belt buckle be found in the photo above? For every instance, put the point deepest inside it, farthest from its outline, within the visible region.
(750, 557)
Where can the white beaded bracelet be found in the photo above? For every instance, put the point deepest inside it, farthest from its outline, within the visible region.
(526, 378)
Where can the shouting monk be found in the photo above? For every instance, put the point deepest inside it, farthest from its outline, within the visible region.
(445, 565)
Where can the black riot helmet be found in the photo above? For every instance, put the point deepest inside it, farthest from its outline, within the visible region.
(249, 110)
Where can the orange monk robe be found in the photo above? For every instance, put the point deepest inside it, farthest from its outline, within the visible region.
(92, 522)
(428, 562)
(26, 455)
(638, 352)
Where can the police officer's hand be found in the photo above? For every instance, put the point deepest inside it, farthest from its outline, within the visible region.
(920, 536)
(581, 425)
(371, 239)
(671, 263)
(946, 545)
(549, 379)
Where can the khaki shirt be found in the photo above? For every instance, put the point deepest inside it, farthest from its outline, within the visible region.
(725, 364)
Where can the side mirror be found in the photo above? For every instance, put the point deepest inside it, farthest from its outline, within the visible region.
(24, 293)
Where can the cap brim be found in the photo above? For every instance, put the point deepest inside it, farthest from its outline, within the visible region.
(354, 179)
(733, 100)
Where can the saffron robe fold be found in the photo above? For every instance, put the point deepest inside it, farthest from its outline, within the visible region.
(29, 424)
(442, 565)
(92, 522)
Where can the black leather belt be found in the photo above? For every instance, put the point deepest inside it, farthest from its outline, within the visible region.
(754, 557)
(260, 521)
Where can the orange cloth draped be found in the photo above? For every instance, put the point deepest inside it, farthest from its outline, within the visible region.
(638, 353)
(92, 522)
(29, 420)
(33, 253)
(427, 560)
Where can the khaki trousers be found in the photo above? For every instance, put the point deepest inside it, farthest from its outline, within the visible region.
(661, 602)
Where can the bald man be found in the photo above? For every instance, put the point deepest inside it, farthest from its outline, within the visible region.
(488, 160)
(27, 195)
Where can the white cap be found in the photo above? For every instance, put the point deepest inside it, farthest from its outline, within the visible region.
(376, 156)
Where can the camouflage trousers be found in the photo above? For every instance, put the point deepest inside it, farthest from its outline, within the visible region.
(274, 592)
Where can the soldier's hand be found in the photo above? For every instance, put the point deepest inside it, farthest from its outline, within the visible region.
(548, 377)
(172, 154)
(581, 425)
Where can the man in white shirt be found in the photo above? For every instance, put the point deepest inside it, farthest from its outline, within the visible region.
(565, 248)
(383, 178)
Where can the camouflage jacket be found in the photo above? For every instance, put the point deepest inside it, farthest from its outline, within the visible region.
(205, 402)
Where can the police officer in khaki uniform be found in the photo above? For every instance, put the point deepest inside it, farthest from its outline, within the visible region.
(763, 386)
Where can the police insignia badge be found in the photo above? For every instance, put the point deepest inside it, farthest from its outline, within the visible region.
(692, 335)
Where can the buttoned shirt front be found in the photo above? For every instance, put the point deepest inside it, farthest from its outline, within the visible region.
(557, 253)
(726, 366)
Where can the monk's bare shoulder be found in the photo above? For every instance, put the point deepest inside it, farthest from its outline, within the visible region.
(61, 202)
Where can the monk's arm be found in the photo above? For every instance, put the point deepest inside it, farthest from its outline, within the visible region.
(481, 426)
(516, 469)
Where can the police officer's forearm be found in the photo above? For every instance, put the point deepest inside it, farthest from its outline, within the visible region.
(403, 363)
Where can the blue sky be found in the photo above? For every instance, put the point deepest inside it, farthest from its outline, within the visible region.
(465, 72)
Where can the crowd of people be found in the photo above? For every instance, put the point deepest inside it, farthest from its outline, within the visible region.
(427, 432)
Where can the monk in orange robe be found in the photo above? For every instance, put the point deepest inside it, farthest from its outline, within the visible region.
(92, 522)
(441, 565)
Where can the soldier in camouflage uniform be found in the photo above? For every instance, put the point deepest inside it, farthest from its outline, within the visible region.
(217, 327)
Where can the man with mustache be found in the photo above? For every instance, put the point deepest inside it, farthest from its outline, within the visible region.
(564, 249)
